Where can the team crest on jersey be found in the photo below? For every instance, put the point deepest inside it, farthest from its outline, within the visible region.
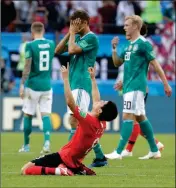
(82, 113)
(135, 47)
(130, 47)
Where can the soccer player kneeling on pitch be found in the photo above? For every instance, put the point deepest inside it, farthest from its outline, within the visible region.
(68, 160)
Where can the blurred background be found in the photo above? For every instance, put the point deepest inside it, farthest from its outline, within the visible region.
(106, 20)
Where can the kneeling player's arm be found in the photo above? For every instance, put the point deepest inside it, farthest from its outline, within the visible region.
(160, 71)
(117, 61)
(26, 71)
(95, 91)
(68, 95)
(72, 47)
(62, 47)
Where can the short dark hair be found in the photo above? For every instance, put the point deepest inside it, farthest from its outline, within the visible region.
(82, 14)
(109, 112)
(144, 30)
(37, 27)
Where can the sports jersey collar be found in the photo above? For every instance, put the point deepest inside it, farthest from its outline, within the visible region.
(90, 32)
(40, 39)
(136, 40)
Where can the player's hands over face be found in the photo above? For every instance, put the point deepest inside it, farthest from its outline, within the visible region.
(92, 72)
(21, 91)
(75, 26)
(65, 72)
(114, 42)
(168, 90)
(118, 86)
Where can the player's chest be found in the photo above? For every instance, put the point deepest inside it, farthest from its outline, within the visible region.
(132, 52)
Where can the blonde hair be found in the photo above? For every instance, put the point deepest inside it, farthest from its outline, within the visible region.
(37, 27)
(135, 20)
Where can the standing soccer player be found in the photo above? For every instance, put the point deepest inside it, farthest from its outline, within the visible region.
(37, 80)
(91, 125)
(82, 45)
(136, 58)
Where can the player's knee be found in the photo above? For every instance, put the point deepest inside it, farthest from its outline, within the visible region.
(128, 116)
(45, 114)
(140, 118)
(27, 115)
(23, 169)
(73, 121)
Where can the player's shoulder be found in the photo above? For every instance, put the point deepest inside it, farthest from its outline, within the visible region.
(91, 35)
(49, 41)
(145, 42)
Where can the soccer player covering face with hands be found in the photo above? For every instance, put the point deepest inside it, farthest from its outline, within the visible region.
(137, 57)
(82, 46)
(91, 125)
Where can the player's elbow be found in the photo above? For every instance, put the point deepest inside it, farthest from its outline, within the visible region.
(74, 50)
(71, 52)
(58, 51)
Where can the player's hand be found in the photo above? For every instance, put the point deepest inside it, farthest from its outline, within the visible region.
(168, 90)
(65, 71)
(114, 42)
(118, 86)
(21, 91)
(75, 26)
(92, 72)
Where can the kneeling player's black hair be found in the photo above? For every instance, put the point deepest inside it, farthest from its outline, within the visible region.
(109, 112)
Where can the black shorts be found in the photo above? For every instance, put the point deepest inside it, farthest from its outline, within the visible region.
(51, 160)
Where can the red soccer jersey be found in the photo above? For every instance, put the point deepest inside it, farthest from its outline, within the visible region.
(87, 135)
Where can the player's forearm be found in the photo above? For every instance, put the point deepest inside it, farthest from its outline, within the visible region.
(62, 44)
(68, 95)
(95, 91)
(160, 72)
(116, 60)
(26, 71)
(71, 44)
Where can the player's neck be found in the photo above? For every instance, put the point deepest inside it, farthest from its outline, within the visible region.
(135, 36)
(38, 37)
(87, 30)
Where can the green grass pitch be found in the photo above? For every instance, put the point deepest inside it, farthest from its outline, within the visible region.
(129, 172)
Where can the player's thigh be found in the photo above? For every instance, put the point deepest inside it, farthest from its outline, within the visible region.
(81, 98)
(45, 102)
(140, 104)
(134, 103)
(30, 101)
(51, 160)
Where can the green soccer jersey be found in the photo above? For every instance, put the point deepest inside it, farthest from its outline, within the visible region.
(79, 76)
(136, 57)
(42, 52)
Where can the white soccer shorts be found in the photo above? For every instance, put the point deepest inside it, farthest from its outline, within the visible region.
(82, 99)
(133, 102)
(33, 98)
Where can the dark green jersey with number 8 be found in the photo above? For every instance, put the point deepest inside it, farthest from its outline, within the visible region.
(42, 52)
